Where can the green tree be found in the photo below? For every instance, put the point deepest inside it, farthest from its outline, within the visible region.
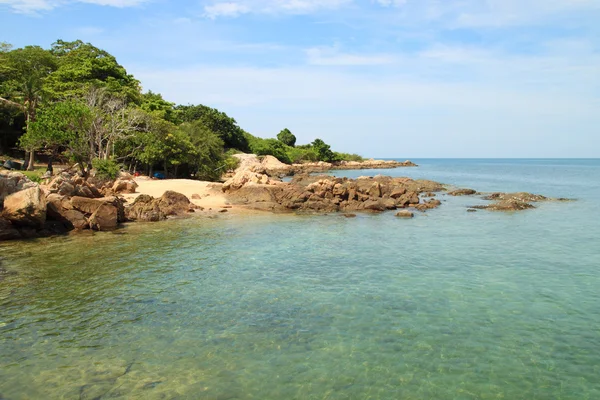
(154, 103)
(82, 66)
(286, 137)
(323, 150)
(24, 74)
(208, 158)
(218, 122)
(61, 126)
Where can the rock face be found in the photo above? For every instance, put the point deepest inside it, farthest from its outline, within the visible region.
(330, 194)
(26, 208)
(148, 209)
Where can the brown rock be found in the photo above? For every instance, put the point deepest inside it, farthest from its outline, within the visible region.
(196, 196)
(462, 192)
(404, 214)
(26, 208)
(8, 231)
(124, 186)
(145, 208)
(397, 192)
(104, 218)
(173, 203)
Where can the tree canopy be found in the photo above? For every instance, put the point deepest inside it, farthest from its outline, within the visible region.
(286, 137)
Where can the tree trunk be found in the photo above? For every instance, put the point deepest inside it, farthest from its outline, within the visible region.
(30, 166)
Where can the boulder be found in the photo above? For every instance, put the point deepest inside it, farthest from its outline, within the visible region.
(173, 203)
(124, 186)
(8, 231)
(404, 214)
(59, 208)
(26, 208)
(145, 209)
(12, 182)
(462, 192)
(104, 218)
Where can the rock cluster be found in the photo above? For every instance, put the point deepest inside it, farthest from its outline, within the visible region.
(512, 201)
(146, 208)
(330, 194)
(70, 202)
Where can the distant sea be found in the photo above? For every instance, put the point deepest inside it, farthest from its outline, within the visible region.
(448, 305)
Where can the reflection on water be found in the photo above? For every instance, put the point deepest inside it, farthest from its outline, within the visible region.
(448, 305)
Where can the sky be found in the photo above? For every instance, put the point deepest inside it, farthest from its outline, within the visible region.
(382, 78)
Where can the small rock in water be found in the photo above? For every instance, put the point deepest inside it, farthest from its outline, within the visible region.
(404, 214)
(350, 215)
(471, 210)
(223, 210)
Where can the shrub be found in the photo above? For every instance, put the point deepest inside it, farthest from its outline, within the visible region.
(107, 169)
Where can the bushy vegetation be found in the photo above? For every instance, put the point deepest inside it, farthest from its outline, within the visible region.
(75, 101)
(107, 169)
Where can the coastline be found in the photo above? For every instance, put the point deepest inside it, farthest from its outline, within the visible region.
(68, 202)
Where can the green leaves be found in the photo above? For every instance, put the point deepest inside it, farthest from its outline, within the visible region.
(286, 137)
(82, 66)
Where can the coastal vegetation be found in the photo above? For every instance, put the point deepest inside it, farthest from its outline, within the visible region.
(74, 102)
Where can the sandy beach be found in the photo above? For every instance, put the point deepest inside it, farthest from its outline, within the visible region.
(207, 195)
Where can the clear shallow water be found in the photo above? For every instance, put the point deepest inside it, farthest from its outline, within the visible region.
(449, 305)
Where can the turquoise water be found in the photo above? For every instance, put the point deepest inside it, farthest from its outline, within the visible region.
(448, 305)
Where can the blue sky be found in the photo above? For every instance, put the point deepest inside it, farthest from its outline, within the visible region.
(383, 78)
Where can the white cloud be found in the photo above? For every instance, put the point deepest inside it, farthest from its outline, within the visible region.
(331, 56)
(235, 8)
(35, 6)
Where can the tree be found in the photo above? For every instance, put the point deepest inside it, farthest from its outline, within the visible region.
(24, 73)
(323, 150)
(154, 103)
(208, 158)
(218, 122)
(61, 126)
(286, 137)
(82, 66)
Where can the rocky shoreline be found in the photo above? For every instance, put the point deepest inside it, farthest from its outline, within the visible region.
(68, 202)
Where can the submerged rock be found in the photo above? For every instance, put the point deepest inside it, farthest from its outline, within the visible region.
(404, 214)
(462, 192)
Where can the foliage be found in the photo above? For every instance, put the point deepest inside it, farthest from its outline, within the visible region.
(323, 151)
(272, 147)
(218, 122)
(82, 66)
(302, 154)
(61, 126)
(155, 104)
(207, 156)
(347, 157)
(286, 137)
(107, 169)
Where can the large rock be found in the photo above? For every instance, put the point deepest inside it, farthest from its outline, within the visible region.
(59, 208)
(147, 208)
(8, 231)
(462, 192)
(26, 208)
(104, 218)
(12, 182)
(144, 209)
(124, 186)
(173, 203)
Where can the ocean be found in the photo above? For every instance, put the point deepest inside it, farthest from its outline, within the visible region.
(447, 305)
